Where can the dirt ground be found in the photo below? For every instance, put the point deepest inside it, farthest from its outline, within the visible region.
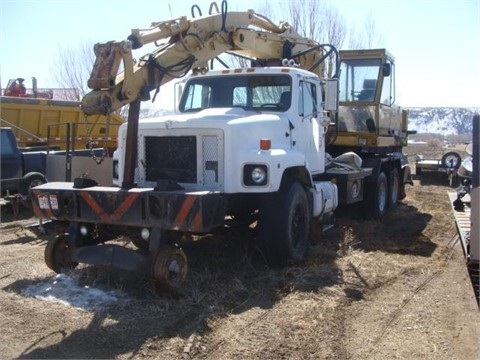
(391, 289)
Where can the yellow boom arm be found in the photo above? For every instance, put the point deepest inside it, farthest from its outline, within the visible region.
(189, 45)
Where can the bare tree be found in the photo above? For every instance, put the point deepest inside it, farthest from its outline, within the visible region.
(374, 38)
(369, 38)
(335, 27)
(318, 21)
(72, 71)
(355, 39)
(73, 66)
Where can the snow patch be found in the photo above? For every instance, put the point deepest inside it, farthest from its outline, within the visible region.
(441, 120)
(65, 290)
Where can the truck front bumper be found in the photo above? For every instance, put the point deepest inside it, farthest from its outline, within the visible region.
(192, 211)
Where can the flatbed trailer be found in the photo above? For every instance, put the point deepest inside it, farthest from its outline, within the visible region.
(448, 164)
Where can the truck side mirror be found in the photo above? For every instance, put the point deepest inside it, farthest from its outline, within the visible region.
(387, 69)
(331, 95)
(178, 91)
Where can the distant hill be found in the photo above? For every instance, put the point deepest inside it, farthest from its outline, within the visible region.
(442, 120)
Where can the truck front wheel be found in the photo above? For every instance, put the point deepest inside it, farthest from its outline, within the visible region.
(284, 223)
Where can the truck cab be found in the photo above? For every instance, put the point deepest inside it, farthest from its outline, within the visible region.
(234, 114)
(11, 164)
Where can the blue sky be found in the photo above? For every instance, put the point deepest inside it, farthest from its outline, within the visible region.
(435, 42)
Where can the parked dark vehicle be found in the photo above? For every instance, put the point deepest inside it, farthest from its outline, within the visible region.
(21, 168)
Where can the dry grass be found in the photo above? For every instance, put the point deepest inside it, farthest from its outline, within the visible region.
(356, 289)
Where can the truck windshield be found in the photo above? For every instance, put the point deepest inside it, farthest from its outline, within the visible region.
(266, 92)
(358, 79)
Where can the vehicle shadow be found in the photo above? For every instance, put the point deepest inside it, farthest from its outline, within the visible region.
(10, 214)
(38, 232)
(400, 231)
(227, 275)
(436, 178)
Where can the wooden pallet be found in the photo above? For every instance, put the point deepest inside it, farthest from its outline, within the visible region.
(463, 221)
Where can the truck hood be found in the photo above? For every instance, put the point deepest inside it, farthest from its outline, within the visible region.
(219, 117)
(243, 128)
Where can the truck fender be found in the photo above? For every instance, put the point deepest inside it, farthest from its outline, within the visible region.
(31, 180)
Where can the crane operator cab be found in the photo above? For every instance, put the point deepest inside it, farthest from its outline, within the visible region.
(367, 111)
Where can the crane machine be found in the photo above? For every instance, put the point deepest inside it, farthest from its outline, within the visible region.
(248, 147)
(371, 124)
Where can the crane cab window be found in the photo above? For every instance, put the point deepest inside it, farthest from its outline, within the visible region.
(358, 79)
(265, 92)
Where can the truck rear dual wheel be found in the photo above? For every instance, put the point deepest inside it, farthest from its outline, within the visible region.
(393, 188)
(383, 194)
(377, 198)
(284, 226)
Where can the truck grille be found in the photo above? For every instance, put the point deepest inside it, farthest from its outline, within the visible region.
(174, 158)
(171, 158)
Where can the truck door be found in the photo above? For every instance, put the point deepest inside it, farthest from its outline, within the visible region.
(308, 134)
(11, 158)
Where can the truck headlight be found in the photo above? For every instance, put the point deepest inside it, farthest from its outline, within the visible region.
(258, 175)
(255, 175)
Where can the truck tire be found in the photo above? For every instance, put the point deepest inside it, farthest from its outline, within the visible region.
(284, 226)
(451, 160)
(29, 181)
(56, 256)
(377, 198)
(393, 188)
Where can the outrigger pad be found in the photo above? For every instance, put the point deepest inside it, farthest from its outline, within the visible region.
(81, 183)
